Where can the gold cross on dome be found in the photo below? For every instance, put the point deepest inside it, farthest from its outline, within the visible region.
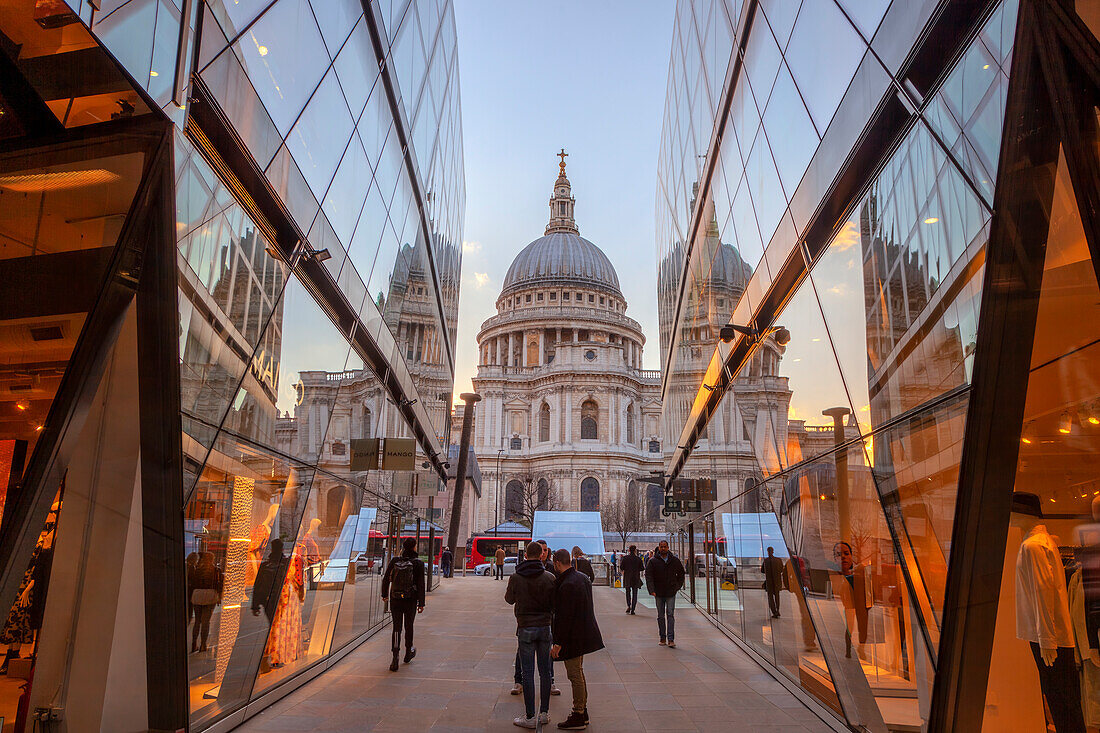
(563, 155)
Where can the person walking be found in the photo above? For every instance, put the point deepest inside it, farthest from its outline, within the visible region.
(404, 581)
(498, 569)
(664, 577)
(632, 568)
(575, 632)
(773, 571)
(614, 566)
(581, 563)
(205, 582)
(531, 592)
(446, 560)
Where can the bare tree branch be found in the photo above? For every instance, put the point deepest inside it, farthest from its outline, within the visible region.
(521, 505)
(625, 514)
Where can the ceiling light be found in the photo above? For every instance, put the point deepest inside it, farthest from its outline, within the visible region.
(38, 428)
(153, 73)
(22, 405)
(985, 67)
(931, 220)
(262, 50)
(1092, 414)
(61, 180)
(1065, 423)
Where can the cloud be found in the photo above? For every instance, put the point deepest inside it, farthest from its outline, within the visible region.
(471, 247)
(846, 237)
(481, 279)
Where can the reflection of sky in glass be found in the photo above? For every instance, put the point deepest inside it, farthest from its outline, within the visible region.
(566, 529)
(752, 534)
(838, 275)
(310, 342)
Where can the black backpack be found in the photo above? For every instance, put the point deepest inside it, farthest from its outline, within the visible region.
(403, 580)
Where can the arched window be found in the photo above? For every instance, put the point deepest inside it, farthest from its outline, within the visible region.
(366, 426)
(630, 424)
(335, 503)
(590, 495)
(654, 446)
(516, 443)
(543, 494)
(654, 502)
(513, 500)
(544, 423)
(589, 414)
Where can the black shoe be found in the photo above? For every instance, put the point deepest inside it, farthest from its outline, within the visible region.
(575, 721)
(393, 664)
(586, 715)
(409, 654)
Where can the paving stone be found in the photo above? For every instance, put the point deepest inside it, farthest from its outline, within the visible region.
(462, 675)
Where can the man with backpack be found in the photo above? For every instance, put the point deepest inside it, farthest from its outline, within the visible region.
(403, 586)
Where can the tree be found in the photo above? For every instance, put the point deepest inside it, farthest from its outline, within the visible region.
(526, 495)
(625, 514)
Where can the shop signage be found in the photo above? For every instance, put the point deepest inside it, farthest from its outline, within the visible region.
(672, 506)
(405, 484)
(699, 489)
(398, 454)
(692, 505)
(364, 454)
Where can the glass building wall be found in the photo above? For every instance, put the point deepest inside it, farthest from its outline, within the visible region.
(237, 236)
(904, 185)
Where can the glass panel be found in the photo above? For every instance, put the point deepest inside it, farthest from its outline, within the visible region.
(1046, 615)
(787, 122)
(61, 212)
(320, 566)
(821, 31)
(284, 57)
(320, 136)
(246, 508)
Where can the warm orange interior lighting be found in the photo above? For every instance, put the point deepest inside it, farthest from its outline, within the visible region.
(59, 181)
(22, 405)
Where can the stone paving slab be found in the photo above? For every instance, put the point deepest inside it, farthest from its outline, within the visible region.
(462, 675)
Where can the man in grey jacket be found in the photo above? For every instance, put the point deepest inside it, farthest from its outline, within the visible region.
(531, 591)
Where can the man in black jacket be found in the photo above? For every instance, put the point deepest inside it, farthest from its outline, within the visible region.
(632, 566)
(517, 677)
(404, 580)
(531, 591)
(575, 633)
(664, 577)
(582, 564)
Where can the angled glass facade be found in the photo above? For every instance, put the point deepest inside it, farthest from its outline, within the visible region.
(232, 235)
(882, 197)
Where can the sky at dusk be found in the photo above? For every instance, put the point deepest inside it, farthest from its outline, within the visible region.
(537, 77)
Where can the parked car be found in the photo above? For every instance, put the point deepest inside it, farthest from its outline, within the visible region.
(709, 564)
(486, 568)
(366, 563)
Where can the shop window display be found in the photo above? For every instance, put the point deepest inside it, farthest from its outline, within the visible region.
(1045, 666)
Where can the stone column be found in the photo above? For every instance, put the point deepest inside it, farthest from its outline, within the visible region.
(542, 346)
(511, 349)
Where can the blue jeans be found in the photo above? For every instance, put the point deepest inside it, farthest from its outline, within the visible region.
(534, 649)
(631, 598)
(519, 673)
(666, 617)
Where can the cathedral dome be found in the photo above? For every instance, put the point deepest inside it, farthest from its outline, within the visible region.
(563, 258)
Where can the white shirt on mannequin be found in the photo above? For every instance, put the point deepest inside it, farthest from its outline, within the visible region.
(1042, 603)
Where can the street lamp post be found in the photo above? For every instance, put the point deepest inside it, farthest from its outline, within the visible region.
(499, 478)
(470, 398)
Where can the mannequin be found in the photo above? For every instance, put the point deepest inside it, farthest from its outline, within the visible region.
(853, 587)
(1084, 610)
(285, 639)
(308, 549)
(25, 618)
(1042, 614)
(257, 542)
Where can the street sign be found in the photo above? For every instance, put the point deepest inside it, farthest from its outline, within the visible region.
(692, 505)
(364, 454)
(682, 488)
(399, 454)
(672, 505)
(706, 489)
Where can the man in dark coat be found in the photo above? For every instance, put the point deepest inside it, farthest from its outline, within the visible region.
(575, 633)
(664, 577)
(583, 564)
(632, 567)
(773, 571)
(405, 578)
(531, 591)
(446, 559)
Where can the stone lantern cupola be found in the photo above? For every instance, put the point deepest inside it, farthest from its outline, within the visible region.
(561, 203)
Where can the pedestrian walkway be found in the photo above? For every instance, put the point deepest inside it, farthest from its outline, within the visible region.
(462, 675)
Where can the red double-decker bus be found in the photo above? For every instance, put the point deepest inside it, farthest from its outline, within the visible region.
(483, 548)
